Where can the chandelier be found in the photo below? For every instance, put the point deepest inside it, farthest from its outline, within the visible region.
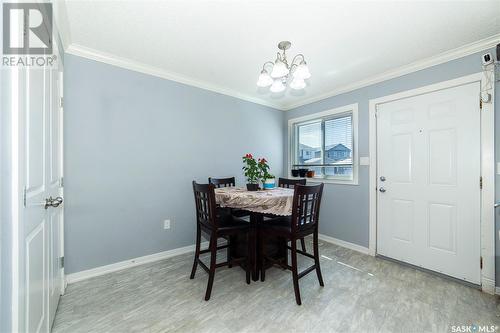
(279, 73)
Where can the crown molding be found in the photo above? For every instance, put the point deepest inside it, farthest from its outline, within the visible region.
(126, 63)
(450, 55)
(110, 59)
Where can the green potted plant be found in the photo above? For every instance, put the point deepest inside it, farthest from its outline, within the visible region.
(268, 180)
(251, 171)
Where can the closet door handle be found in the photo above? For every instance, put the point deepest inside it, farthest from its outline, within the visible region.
(51, 202)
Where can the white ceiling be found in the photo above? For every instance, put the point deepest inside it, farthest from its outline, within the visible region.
(221, 45)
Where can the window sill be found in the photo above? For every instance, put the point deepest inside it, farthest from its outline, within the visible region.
(327, 180)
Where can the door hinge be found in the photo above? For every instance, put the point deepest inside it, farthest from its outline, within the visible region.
(61, 262)
(61, 182)
(481, 182)
(481, 262)
(61, 102)
(480, 104)
(24, 196)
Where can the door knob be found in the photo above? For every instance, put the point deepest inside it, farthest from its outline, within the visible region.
(51, 202)
(382, 178)
(382, 189)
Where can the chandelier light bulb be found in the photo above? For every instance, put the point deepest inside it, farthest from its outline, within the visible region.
(279, 69)
(277, 86)
(265, 79)
(297, 84)
(302, 71)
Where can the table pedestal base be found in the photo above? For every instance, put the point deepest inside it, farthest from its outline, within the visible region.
(274, 247)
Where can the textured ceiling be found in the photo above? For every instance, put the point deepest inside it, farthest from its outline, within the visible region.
(222, 45)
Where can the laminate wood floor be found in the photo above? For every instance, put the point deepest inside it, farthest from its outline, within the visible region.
(361, 294)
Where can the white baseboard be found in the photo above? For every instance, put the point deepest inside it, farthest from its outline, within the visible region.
(488, 286)
(339, 242)
(93, 272)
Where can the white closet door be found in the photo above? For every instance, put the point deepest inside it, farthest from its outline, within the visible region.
(41, 248)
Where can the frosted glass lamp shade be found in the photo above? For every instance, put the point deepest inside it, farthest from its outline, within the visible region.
(277, 86)
(297, 84)
(302, 71)
(279, 69)
(265, 79)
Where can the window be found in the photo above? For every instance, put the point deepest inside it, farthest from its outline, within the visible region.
(326, 142)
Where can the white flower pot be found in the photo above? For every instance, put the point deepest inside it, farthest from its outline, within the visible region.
(269, 183)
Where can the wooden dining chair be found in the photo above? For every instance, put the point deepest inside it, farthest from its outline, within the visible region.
(222, 182)
(215, 225)
(304, 221)
(228, 182)
(291, 183)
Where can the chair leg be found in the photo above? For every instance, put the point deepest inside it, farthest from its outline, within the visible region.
(196, 252)
(248, 266)
(213, 258)
(286, 253)
(262, 259)
(303, 244)
(295, 274)
(229, 255)
(316, 259)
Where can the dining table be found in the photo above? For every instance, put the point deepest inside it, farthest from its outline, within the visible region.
(261, 205)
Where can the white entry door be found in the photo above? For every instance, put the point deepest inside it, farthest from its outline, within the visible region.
(40, 246)
(428, 181)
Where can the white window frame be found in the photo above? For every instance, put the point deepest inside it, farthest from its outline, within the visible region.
(351, 108)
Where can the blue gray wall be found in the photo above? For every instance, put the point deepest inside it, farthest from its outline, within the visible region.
(133, 144)
(345, 208)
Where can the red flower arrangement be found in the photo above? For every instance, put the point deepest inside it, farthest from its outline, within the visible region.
(250, 169)
(255, 171)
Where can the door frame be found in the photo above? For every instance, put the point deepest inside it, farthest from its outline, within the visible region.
(60, 73)
(487, 211)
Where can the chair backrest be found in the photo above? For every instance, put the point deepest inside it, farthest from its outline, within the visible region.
(305, 209)
(204, 197)
(222, 182)
(290, 183)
